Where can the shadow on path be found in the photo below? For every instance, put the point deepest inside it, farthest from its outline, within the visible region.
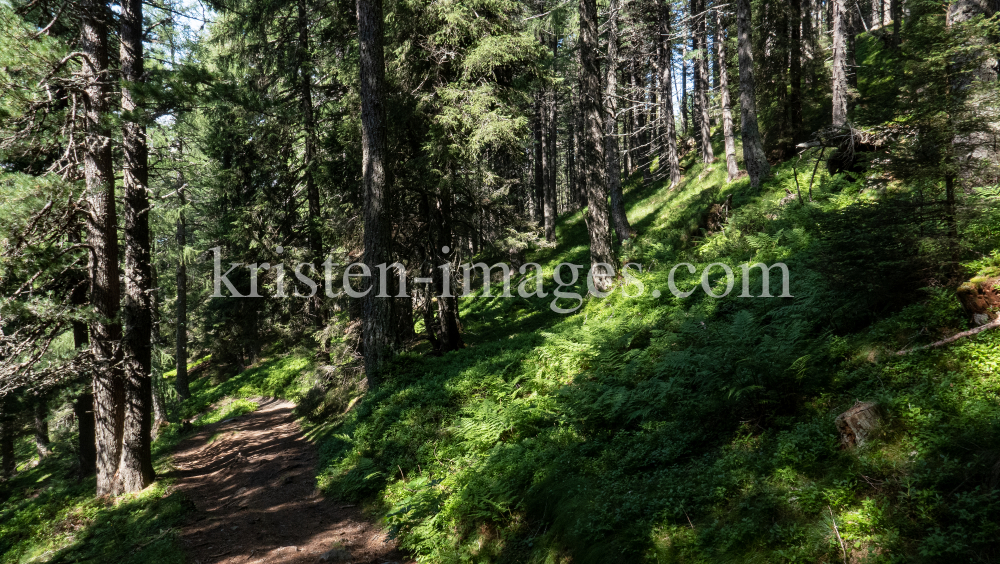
(252, 479)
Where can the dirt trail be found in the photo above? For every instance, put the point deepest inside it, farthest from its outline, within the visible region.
(252, 479)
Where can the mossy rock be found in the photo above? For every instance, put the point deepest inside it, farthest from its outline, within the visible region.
(981, 297)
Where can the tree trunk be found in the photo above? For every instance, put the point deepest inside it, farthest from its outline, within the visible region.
(839, 71)
(684, 91)
(550, 187)
(699, 44)
(613, 166)
(732, 170)
(753, 151)
(638, 146)
(377, 315)
(7, 455)
(181, 341)
(102, 235)
(548, 213)
(308, 156)
(795, 67)
(664, 52)
(135, 469)
(895, 12)
(538, 197)
(590, 93)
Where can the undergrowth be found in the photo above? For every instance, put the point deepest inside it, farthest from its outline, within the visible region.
(659, 429)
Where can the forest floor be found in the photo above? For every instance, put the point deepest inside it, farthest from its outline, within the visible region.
(252, 480)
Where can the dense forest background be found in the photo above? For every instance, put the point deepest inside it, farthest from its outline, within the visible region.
(144, 143)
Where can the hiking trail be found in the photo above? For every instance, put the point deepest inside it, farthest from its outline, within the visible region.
(252, 480)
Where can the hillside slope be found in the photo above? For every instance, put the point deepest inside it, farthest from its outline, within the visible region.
(698, 429)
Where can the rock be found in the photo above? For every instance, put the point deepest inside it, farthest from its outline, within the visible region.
(336, 554)
(856, 424)
(981, 298)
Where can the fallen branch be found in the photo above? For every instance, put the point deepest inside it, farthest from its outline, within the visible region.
(991, 325)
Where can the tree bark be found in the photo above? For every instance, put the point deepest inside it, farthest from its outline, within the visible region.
(664, 52)
(613, 165)
(753, 151)
(135, 469)
(377, 314)
(7, 454)
(728, 132)
(102, 235)
(538, 196)
(548, 213)
(700, 44)
(839, 72)
(181, 337)
(590, 94)
(795, 67)
(551, 202)
(309, 155)
(895, 12)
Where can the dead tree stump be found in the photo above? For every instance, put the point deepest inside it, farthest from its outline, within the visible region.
(857, 424)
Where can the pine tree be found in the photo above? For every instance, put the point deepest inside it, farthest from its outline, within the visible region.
(753, 151)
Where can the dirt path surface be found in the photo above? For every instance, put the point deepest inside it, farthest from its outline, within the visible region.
(252, 479)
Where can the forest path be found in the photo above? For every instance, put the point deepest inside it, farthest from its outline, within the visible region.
(252, 479)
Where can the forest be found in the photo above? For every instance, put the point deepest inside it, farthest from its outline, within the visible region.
(499, 281)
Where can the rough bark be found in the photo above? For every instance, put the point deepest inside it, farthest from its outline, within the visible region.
(753, 150)
(7, 459)
(838, 80)
(102, 236)
(728, 133)
(895, 12)
(548, 213)
(135, 469)
(699, 44)
(638, 124)
(664, 50)
(377, 312)
(593, 138)
(612, 163)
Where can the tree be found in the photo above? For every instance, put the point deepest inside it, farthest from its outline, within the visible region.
(753, 151)
(664, 62)
(612, 164)
(102, 236)
(593, 139)
(699, 43)
(732, 169)
(841, 21)
(377, 312)
(135, 470)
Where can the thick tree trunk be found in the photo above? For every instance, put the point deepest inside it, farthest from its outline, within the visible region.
(753, 151)
(102, 236)
(728, 133)
(377, 316)
(613, 166)
(593, 140)
(700, 43)
(664, 52)
(839, 72)
(42, 429)
(795, 67)
(135, 469)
